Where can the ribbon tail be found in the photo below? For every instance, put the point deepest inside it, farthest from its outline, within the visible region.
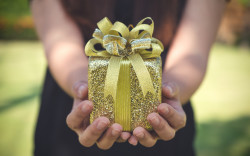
(142, 74)
(112, 76)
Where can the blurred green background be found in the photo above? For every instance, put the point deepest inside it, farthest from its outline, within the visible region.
(222, 103)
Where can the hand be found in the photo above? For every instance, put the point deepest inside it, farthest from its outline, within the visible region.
(171, 118)
(97, 132)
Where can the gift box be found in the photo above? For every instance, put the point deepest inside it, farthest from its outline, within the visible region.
(124, 73)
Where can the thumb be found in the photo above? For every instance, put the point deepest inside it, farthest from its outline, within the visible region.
(170, 89)
(80, 90)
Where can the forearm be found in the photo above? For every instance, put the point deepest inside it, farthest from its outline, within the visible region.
(187, 59)
(68, 65)
(63, 43)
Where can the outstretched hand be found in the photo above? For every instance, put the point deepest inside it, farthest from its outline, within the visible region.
(99, 131)
(170, 118)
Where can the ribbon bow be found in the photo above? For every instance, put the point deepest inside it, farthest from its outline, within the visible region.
(118, 42)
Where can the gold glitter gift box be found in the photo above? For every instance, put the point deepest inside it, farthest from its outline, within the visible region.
(124, 76)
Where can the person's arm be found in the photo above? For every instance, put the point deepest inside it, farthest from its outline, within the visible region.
(187, 59)
(62, 41)
(184, 69)
(68, 64)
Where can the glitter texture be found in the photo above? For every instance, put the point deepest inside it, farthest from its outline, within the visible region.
(139, 106)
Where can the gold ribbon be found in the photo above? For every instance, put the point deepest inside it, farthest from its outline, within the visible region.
(118, 43)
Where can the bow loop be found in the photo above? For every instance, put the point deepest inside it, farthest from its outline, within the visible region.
(144, 43)
(98, 35)
(118, 42)
(119, 29)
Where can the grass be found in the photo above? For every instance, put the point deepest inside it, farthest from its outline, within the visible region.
(221, 104)
(224, 138)
(22, 67)
(225, 92)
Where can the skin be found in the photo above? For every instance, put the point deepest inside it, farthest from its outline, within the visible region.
(183, 72)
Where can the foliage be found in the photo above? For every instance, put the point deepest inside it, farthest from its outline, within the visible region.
(14, 9)
(246, 3)
(230, 138)
(15, 20)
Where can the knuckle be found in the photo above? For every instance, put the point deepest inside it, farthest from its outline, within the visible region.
(182, 123)
(103, 146)
(95, 133)
(78, 112)
(171, 112)
(85, 141)
(161, 125)
(172, 135)
(169, 136)
(149, 144)
(70, 123)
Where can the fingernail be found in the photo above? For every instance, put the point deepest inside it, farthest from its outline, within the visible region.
(124, 137)
(165, 110)
(140, 135)
(134, 143)
(155, 120)
(170, 90)
(80, 90)
(101, 125)
(115, 132)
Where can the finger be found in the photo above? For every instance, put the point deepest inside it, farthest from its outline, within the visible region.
(109, 137)
(175, 117)
(133, 140)
(169, 89)
(144, 137)
(77, 116)
(161, 127)
(93, 132)
(80, 89)
(124, 137)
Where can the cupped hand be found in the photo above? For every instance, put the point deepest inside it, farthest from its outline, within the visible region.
(170, 118)
(99, 131)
